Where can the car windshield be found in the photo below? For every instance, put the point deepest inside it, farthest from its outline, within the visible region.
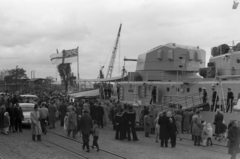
(27, 108)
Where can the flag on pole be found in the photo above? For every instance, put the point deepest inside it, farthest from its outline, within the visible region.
(235, 4)
(69, 56)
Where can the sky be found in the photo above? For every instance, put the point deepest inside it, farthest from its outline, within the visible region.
(32, 30)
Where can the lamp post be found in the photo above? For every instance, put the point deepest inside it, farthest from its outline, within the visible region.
(16, 76)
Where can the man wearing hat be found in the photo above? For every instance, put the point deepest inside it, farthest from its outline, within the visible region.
(86, 126)
(214, 99)
(204, 95)
(230, 98)
(43, 116)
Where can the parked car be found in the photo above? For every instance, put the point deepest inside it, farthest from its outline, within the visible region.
(27, 108)
(28, 98)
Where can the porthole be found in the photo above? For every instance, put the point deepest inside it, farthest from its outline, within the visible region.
(199, 90)
(238, 60)
(168, 89)
(188, 89)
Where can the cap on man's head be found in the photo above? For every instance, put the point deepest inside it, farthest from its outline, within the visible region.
(204, 88)
(229, 88)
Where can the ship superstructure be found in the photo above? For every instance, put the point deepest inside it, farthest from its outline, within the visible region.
(173, 72)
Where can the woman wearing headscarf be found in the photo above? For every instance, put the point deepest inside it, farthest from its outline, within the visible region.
(72, 122)
(35, 123)
(196, 128)
(178, 121)
(234, 140)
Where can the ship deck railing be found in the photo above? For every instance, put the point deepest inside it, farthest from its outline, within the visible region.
(171, 103)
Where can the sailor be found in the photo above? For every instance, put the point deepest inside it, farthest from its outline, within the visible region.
(204, 95)
(214, 99)
(131, 117)
(230, 98)
(119, 125)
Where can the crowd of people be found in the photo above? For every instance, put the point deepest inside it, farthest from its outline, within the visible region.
(86, 117)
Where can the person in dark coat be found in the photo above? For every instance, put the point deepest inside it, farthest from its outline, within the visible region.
(2, 111)
(12, 119)
(63, 111)
(93, 111)
(18, 118)
(234, 140)
(100, 114)
(172, 132)
(86, 126)
(230, 98)
(131, 119)
(119, 125)
(204, 95)
(125, 121)
(214, 99)
(163, 121)
(79, 110)
(218, 120)
(52, 114)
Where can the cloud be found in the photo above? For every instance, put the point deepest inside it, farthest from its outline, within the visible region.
(31, 31)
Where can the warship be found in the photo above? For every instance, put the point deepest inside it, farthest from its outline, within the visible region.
(172, 75)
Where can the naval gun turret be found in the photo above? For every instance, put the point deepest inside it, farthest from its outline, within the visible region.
(169, 62)
(225, 61)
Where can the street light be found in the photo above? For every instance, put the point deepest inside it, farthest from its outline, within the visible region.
(16, 76)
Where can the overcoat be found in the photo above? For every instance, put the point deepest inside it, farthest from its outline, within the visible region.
(72, 121)
(86, 124)
(234, 139)
(163, 122)
(147, 124)
(52, 113)
(2, 111)
(62, 110)
(196, 125)
(178, 121)
(35, 123)
(218, 123)
(186, 122)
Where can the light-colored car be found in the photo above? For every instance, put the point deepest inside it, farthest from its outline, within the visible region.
(29, 98)
(27, 108)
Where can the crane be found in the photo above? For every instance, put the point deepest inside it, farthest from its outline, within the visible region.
(114, 52)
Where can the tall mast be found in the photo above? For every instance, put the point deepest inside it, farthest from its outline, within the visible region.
(112, 60)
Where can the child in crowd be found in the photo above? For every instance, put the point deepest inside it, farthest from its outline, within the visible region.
(66, 122)
(209, 134)
(95, 134)
(204, 134)
(224, 131)
(6, 123)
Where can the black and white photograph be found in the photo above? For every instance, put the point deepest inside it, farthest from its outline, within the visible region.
(119, 79)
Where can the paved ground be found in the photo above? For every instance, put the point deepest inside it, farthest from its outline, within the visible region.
(20, 146)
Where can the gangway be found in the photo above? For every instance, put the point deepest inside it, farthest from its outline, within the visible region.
(188, 102)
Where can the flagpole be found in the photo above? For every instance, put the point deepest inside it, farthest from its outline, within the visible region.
(79, 89)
